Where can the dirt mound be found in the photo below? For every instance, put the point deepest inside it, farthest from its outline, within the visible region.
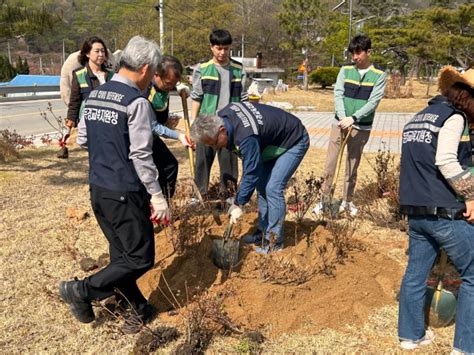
(320, 280)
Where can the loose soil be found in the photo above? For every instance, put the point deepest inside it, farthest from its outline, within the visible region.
(363, 281)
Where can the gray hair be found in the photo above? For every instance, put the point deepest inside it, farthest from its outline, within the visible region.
(205, 127)
(138, 52)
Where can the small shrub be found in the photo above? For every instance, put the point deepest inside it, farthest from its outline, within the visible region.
(306, 191)
(205, 318)
(10, 142)
(324, 76)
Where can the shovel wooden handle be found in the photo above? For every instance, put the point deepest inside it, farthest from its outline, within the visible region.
(187, 130)
(443, 262)
(339, 160)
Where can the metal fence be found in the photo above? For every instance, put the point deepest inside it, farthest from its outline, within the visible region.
(33, 92)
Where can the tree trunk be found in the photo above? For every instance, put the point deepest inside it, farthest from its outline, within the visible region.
(428, 73)
(305, 79)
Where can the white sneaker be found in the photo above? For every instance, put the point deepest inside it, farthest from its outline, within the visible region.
(318, 209)
(426, 340)
(348, 206)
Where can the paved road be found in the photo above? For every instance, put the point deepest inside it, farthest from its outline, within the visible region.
(25, 118)
(386, 132)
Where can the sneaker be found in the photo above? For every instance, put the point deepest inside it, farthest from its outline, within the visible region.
(254, 238)
(136, 319)
(426, 340)
(267, 249)
(79, 307)
(349, 206)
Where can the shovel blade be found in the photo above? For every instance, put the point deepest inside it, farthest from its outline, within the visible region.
(225, 253)
(440, 307)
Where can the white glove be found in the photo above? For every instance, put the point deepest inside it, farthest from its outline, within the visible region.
(346, 122)
(235, 213)
(184, 140)
(180, 87)
(230, 201)
(160, 212)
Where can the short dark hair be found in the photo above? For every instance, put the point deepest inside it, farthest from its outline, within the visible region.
(87, 46)
(167, 63)
(360, 43)
(220, 38)
(462, 97)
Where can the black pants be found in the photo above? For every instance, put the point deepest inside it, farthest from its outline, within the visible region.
(167, 167)
(227, 163)
(124, 217)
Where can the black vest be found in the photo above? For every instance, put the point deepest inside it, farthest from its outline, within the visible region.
(108, 139)
(278, 130)
(421, 182)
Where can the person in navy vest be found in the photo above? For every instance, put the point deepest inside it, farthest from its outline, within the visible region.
(271, 144)
(437, 195)
(116, 130)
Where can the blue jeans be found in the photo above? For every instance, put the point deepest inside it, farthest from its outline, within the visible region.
(272, 180)
(427, 235)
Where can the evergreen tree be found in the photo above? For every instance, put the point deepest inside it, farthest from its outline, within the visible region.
(7, 72)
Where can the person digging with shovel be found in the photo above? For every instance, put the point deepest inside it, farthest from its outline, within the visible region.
(437, 195)
(271, 143)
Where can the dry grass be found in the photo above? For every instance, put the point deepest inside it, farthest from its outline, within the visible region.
(323, 99)
(41, 246)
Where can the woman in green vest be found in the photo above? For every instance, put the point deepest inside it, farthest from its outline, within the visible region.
(93, 56)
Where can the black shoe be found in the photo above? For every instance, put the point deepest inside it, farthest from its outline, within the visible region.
(80, 308)
(137, 318)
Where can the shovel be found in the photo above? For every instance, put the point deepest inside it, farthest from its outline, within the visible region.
(225, 251)
(187, 129)
(440, 304)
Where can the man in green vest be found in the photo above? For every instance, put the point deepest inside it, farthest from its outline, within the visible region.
(216, 83)
(357, 93)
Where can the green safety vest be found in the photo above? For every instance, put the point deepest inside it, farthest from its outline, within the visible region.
(158, 99)
(85, 81)
(211, 86)
(357, 91)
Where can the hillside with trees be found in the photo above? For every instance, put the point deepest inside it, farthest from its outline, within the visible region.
(407, 34)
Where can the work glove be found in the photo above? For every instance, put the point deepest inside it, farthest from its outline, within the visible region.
(160, 213)
(230, 201)
(185, 140)
(346, 122)
(182, 87)
(235, 212)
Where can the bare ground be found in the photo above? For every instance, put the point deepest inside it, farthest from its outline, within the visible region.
(354, 310)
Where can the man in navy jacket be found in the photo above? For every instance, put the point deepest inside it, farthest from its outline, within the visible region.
(271, 144)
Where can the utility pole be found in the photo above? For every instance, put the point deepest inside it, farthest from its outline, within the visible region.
(350, 27)
(159, 8)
